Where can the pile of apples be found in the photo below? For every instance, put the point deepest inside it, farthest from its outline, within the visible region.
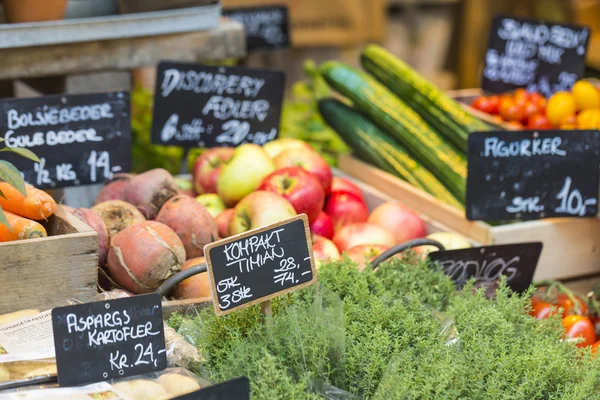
(252, 186)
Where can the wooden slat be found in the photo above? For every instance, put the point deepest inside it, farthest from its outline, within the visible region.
(225, 42)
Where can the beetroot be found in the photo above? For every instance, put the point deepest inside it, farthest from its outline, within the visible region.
(191, 221)
(96, 223)
(117, 215)
(150, 190)
(114, 189)
(142, 256)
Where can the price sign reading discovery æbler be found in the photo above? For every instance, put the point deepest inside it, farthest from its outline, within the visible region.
(204, 106)
(109, 339)
(260, 264)
(80, 139)
(525, 175)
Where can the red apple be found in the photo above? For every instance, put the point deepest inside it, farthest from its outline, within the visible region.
(300, 187)
(364, 253)
(403, 222)
(344, 209)
(310, 160)
(345, 185)
(362, 233)
(222, 221)
(324, 250)
(322, 226)
(259, 209)
(208, 167)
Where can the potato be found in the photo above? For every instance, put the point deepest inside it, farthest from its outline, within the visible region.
(141, 389)
(178, 385)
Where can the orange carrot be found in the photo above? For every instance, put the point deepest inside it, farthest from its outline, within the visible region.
(22, 228)
(37, 205)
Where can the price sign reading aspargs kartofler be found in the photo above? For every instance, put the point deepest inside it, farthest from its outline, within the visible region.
(109, 339)
(525, 175)
(204, 106)
(261, 264)
(80, 139)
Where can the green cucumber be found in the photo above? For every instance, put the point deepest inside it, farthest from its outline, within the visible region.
(377, 147)
(438, 109)
(395, 117)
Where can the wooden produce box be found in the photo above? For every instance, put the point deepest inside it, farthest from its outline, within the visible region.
(43, 273)
(571, 245)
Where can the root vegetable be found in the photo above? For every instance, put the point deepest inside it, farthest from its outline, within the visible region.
(195, 287)
(114, 189)
(142, 256)
(20, 229)
(191, 221)
(117, 215)
(150, 190)
(178, 385)
(37, 205)
(96, 223)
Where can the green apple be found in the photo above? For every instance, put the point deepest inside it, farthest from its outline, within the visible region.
(212, 203)
(259, 209)
(244, 173)
(278, 145)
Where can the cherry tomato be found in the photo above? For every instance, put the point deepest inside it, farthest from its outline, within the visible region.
(538, 100)
(530, 110)
(494, 104)
(542, 309)
(579, 326)
(510, 111)
(515, 125)
(538, 122)
(483, 104)
(570, 308)
(521, 96)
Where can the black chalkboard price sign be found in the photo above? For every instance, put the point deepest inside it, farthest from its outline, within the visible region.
(517, 262)
(109, 339)
(235, 389)
(525, 175)
(267, 28)
(205, 106)
(541, 56)
(80, 139)
(260, 264)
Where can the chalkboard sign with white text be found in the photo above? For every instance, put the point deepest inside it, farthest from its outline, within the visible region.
(205, 106)
(80, 139)
(540, 56)
(235, 389)
(517, 262)
(260, 264)
(109, 339)
(267, 28)
(525, 175)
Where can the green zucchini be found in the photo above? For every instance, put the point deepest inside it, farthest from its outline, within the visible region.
(440, 111)
(379, 148)
(395, 117)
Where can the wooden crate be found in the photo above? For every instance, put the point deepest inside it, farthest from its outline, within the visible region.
(571, 245)
(43, 273)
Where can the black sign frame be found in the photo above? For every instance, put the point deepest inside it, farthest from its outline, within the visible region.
(258, 32)
(519, 260)
(78, 362)
(546, 68)
(194, 105)
(235, 389)
(298, 244)
(561, 174)
(74, 152)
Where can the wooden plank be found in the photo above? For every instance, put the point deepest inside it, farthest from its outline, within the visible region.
(43, 273)
(417, 199)
(227, 41)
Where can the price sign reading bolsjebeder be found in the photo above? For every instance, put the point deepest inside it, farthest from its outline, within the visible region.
(205, 106)
(261, 264)
(80, 139)
(109, 339)
(525, 175)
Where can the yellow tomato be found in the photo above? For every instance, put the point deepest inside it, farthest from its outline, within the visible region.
(586, 95)
(589, 119)
(560, 106)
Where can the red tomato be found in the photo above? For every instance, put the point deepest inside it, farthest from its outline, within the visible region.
(541, 309)
(538, 122)
(494, 104)
(482, 104)
(510, 111)
(538, 100)
(570, 308)
(530, 109)
(579, 326)
(595, 347)
(521, 96)
(515, 125)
